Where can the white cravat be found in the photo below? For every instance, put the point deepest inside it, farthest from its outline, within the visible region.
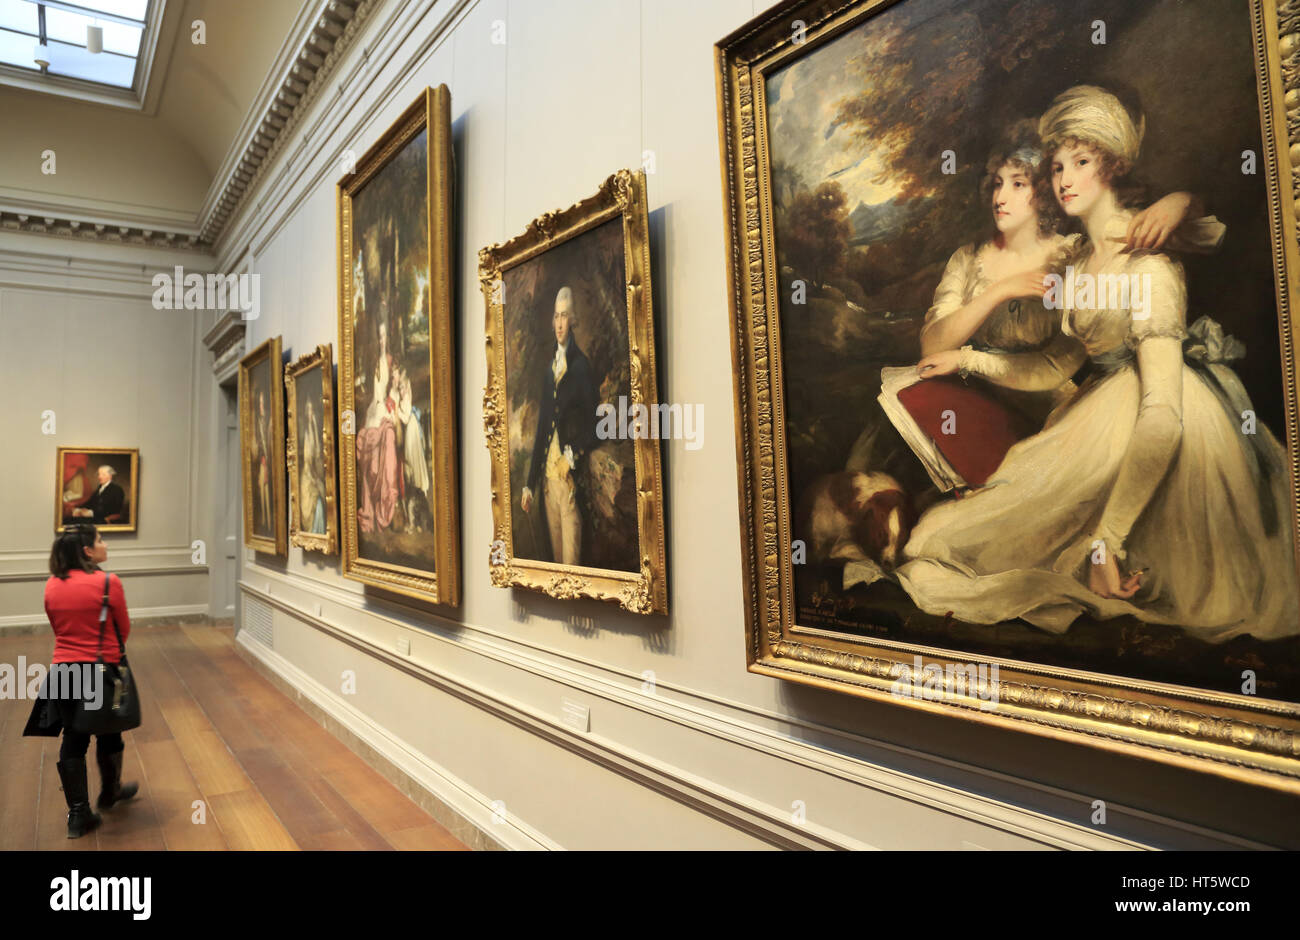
(561, 363)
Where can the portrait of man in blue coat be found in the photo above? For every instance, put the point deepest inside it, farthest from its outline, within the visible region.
(566, 433)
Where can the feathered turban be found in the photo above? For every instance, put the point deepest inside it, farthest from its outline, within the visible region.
(1092, 114)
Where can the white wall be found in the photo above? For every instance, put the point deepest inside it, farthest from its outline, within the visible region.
(79, 336)
(714, 756)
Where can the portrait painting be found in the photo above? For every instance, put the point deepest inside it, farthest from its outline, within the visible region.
(261, 433)
(1012, 309)
(99, 485)
(397, 383)
(309, 451)
(571, 353)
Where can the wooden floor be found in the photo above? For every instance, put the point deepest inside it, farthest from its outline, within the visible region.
(215, 731)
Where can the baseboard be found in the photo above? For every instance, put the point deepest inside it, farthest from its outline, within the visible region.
(730, 726)
(468, 814)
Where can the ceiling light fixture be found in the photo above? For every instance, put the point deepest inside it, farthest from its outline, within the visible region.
(94, 39)
(42, 55)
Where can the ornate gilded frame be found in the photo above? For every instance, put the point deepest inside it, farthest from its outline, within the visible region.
(322, 359)
(440, 583)
(621, 195)
(270, 350)
(1230, 735)
(135, 486)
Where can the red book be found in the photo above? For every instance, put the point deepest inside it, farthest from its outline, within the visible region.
(959, 431)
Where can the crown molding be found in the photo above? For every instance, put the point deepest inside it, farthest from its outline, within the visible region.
(97, 220)
(69, 225)
(264, 99)
(89, 210)
(322, 32)
(226, 332)
(321, 40)
(363, 92)
(226, 340)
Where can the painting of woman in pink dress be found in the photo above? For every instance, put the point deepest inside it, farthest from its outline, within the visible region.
(377, 464)
(391, 378)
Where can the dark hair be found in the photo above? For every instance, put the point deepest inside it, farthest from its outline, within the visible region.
(1019, 139)
(69, 549)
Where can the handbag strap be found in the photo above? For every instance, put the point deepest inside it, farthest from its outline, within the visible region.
(103, 616)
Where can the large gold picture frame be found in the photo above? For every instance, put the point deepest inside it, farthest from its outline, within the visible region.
(76, 479)
(427, 571)
(261, 447)
(1241, 736)
(315, 368)
(641, 586)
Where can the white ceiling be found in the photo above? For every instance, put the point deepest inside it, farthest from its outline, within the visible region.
(157, 164)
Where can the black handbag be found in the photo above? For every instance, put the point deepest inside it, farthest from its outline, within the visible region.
(119, 701)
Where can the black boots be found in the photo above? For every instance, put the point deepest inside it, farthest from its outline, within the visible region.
(76, 790)
(110, 772)
(81, 818)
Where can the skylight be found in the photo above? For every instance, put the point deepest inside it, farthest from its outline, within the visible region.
(33, 32)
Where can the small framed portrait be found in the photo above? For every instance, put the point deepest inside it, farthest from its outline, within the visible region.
(576, 487)
(261, 438)
(99, 485)
(309, 451)
(397, 388)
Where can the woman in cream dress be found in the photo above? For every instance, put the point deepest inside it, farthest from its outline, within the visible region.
(311, 488)
(415, 453)
(991, 294)
(1144, 495)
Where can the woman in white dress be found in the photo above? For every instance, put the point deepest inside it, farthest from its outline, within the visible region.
(991, 294)
(415, 454)
(311, 489)
(1144, 495)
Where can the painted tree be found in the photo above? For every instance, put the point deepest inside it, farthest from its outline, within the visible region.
(818, 233)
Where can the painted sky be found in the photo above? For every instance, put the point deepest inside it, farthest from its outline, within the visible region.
(803, 99)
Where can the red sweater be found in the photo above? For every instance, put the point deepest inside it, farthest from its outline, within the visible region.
(72, 604)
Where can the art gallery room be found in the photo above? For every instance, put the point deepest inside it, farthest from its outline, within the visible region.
(699, 425)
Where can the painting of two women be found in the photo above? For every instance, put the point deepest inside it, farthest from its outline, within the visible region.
(937, 172)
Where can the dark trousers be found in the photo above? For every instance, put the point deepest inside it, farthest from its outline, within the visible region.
(75, 744)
